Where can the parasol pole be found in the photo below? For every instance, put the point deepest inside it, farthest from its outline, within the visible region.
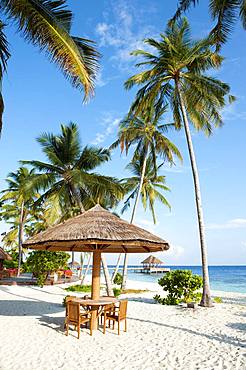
(95, 289)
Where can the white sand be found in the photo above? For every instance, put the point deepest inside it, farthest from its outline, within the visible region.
(159, 337)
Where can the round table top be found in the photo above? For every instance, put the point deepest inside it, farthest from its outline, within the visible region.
(102, 301)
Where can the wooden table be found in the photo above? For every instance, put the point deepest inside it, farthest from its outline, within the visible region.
(96, 306)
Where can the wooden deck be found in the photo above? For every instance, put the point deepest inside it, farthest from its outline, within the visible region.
(151, 270)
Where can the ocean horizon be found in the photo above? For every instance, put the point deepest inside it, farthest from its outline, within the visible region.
(227, 278)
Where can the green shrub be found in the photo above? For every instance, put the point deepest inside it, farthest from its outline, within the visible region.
(79, 288)
(117, 292)
(181, 285)
(118, 280)
(217, 299)
(42, 263)
(13, 264)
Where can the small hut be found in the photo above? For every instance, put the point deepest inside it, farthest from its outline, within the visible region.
(3, 256)
(153, 264)
(151, 261)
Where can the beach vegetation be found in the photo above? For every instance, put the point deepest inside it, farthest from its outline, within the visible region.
(217, 300)
(18, 208)
(153, 185)
(181, 286)
(146, 132)
(118, 279)
(68, 178)
(47, 25)
(79, 288)
(43, 263)
(13, 263)
(134, 291)
(176, 71)
(117, 292)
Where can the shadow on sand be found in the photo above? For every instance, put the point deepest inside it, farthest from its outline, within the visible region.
(224, 338)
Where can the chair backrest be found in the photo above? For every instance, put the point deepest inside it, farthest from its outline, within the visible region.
(123, 309)
(73, 311)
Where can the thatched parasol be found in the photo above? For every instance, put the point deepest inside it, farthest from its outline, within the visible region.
(152, 260)
(3, 256)
(97, 231)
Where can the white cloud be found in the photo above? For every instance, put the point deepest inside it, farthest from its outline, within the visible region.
(110, 125)
(231, 112)
(100, 81)
(147, 225)
(236, 223)
(121, 36)
(244, 244)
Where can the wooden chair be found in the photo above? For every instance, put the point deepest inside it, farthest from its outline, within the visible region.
(116, 314)
(74, 317)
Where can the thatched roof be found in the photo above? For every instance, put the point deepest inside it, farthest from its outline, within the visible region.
(97, 229)
(152, 260)
(4, 255)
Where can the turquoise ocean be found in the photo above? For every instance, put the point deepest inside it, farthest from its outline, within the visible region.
(224, 278)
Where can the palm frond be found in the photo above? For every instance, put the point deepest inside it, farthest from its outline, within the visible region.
(225, 12)
(46, 23)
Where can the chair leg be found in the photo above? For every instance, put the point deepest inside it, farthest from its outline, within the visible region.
(78, 329)
(90, 328)
(67, 327)
(125, 325)
(104, 325)
(113, 324)
(118, 327)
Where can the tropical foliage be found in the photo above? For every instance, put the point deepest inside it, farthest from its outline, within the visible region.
(47, 25)
(18, 207)
(145, 131)
(176, 72)
(153, 185)
(67, 178)
(224, 12)
(181, 286)
(42, 263)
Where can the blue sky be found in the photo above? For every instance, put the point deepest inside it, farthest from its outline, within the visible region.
(39, 99)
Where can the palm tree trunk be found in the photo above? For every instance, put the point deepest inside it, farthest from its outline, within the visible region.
(86, 270)
(20, 237)
(107, 276)
(206, 300)
(123, 286)
(81, 265)
(116, 268)
(76, 196)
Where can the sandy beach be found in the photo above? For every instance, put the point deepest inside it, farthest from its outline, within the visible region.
(159, 337)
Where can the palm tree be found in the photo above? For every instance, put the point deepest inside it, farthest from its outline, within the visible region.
(47, 24)
(224, 12)
(177, 74)
(153, 184)
(17, 206)
(67, 177)
(145, 130)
